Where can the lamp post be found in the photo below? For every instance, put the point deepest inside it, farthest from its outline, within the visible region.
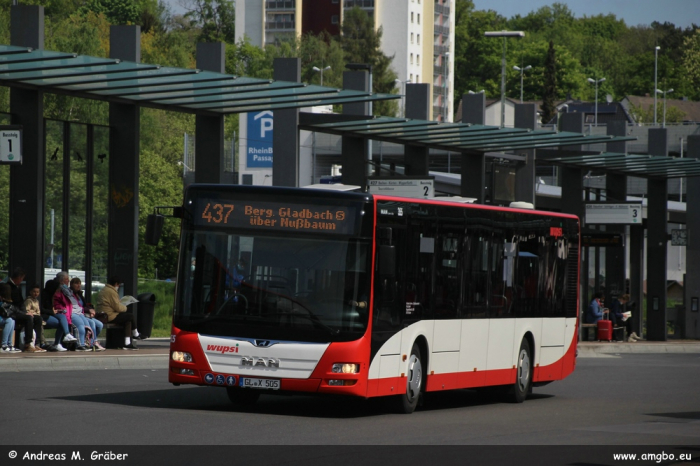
(522, 70)
(403, 95)
(656, 85)
(479, 92)
(505, 35)
(596, 82)
(321, 70)
(445, 59)
(659, 91)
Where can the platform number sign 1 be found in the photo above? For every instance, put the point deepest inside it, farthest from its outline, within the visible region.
(10, 145)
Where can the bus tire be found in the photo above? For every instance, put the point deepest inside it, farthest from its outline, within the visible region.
(414, 383)
(523, 375)
(242, 396)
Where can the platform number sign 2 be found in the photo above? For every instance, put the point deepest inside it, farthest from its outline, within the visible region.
(10, 145)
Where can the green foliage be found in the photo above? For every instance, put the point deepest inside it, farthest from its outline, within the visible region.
(116, 11)
(361, 44)
(165, 297)
(214, 20)
(550, 85)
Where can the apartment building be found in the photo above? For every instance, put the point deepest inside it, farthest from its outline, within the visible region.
(419, 34)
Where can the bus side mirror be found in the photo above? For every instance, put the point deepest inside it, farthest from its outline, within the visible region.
(387, 261)
(154, 229)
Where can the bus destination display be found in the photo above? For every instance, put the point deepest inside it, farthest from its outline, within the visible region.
(275, 216)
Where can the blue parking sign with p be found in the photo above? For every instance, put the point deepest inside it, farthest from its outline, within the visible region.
(260, 140)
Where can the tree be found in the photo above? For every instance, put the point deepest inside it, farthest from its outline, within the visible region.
(214, 19)
(691, 62)
(549, 93)
(361, 44)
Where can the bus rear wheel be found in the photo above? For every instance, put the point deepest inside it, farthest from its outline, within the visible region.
(523, 376)
(414, 383)
(242, 396)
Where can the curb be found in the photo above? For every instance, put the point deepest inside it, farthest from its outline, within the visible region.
(73, 363)
(636, 348)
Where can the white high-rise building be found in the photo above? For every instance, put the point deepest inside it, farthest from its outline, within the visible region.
(419, 34)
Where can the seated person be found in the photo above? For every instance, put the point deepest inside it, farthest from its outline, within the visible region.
(21, 318)
(32, 308)
(596, 309)
(82, 318)
(109, 303)
(617, 317)
(63, 305)
(53, 317)
(8, 326)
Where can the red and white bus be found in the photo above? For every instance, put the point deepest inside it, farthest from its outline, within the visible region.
(284, 290)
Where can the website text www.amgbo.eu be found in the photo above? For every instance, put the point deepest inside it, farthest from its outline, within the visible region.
(655, 457)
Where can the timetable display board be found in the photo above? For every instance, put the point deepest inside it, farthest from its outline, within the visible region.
(277, 216)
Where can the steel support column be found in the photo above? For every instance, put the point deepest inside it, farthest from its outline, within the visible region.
(691, 285)
(124, 122)
(526, 117)
(417, 159)
(27, 180)
(657, 241)
(355, 151)
(616, 191)
(209, 130)
(473, 177)
(285, 129)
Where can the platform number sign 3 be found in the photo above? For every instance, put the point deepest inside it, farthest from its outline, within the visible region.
(10, 146)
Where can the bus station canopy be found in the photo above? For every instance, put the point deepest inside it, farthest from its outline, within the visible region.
(642, 166)
(155, 86)
(456, 137)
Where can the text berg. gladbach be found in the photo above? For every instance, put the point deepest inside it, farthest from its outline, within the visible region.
(286, 212)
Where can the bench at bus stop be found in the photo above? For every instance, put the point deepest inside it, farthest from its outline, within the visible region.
(585, 334)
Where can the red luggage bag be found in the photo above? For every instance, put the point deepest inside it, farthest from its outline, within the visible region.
(605, 330)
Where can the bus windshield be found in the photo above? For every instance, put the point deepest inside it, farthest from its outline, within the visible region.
(273, 286)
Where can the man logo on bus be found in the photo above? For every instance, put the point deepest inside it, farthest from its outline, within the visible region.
(556, 232)
(255, 361)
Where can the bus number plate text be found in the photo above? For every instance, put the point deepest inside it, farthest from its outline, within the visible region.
(265, 384)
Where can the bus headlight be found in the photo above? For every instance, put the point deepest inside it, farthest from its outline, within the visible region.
(181, 356)
(345, 368)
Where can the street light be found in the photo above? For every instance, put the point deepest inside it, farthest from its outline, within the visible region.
(403, 94)
(316, 68)
(479, 92)
(659, 91)
(445, 59)
(656, 84)
(522, 70)
(505, 35)
(593, 81)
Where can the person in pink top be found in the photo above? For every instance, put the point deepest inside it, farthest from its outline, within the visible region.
(62, 303)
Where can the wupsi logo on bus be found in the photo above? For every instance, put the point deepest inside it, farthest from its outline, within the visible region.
(223, 349)
(260, 140)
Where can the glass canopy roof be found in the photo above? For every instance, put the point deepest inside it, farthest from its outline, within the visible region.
(643, 166)
(178, 89)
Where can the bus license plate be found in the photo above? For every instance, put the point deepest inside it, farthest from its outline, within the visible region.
(265, 384)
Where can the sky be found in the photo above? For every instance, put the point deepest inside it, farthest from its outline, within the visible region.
(682, 13)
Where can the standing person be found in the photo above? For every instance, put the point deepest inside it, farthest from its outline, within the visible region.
(19, 317)
(109, 303)
(616, 315)
(63, 305)
(595, 309)
(33, 308)
(88, 313)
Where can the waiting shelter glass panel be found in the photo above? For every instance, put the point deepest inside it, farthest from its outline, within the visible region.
(4, 206)
(77, 189)
(54, 195)
(100, 201)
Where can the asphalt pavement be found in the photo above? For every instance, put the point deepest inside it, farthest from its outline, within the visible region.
(153, 354)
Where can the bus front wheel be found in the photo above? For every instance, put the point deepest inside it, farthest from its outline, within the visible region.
(414, 383)
(242, 396)
(523, 376)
